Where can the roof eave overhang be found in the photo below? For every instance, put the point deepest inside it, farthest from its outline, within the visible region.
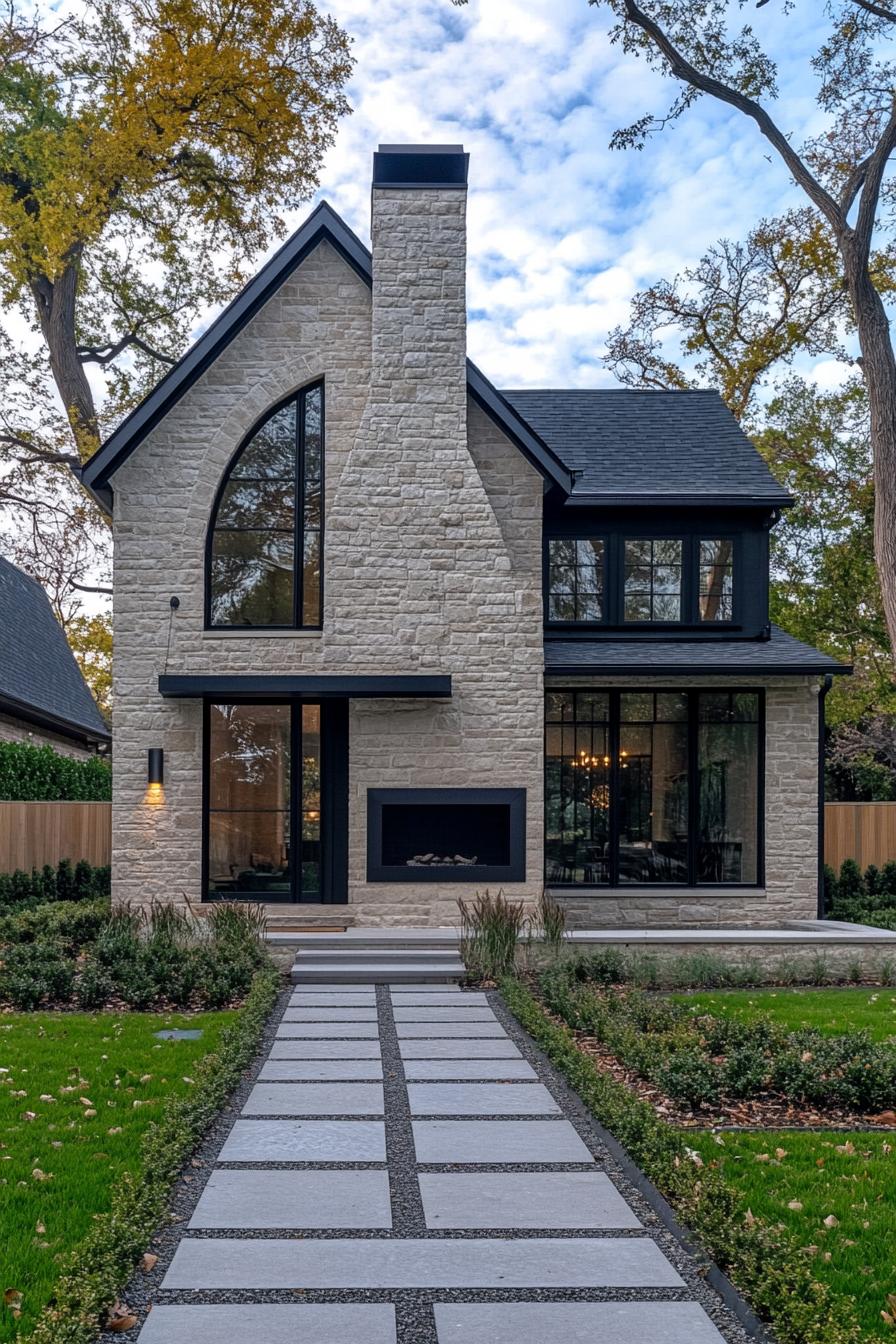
(641, 500)
(533, 448)
(323, 224)
(221, 687)
(698, 669)
(44, 718)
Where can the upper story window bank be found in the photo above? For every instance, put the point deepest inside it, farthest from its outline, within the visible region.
(631, 580)
(265, 548)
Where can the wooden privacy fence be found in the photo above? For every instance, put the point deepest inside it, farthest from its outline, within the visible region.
(32, 834)
(865, 832)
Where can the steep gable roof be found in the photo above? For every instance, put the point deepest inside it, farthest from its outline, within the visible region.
(323, 224)
(650, 446)
(38, 673)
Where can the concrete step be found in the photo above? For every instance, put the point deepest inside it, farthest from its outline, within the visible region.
(400, 970)
(371, 939)
(373, 956)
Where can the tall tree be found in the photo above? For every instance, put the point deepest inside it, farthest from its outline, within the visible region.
(148, 150)
(744, 310)
(842, 170)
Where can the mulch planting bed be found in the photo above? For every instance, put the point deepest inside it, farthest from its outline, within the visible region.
(764, 1112)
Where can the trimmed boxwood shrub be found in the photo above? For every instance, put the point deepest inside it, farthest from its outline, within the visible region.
(861, 898)
(85, 954)
(29, 773)
(699, 1061)
(65, 882)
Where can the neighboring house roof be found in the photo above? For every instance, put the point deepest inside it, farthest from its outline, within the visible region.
(323, 224)
(40, 680)
(780, 655)
(624, 444)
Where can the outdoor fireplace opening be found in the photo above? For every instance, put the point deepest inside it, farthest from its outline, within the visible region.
(446, 835)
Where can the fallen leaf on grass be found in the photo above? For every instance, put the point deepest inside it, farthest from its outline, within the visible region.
(831, 1221)
(13, 1299)
(889, 1315)
(795, 1205)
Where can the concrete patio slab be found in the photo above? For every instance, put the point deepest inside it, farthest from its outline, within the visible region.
(295, 1199)
(273, 1324)
(328, 1013)
(361, 1031)
(315, 1099)
(466, 1030)
(345, 998)
(470, 998)
(320, 1070)
(305, 1141)
(481, 1099)
(349, 1262)
(578, 1200)
(492, 1070)
(468, 1141)
(574, 1323)
(299, 1048)
(498, 1047)
(462, 1013)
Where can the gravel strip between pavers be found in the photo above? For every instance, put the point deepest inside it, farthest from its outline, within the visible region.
(414, 1308)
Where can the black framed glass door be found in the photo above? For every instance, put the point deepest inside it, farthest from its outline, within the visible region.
(274, 819)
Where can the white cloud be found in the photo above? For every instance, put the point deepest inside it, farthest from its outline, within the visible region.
(562, 230)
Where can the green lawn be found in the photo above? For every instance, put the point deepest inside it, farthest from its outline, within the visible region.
(830, 1010)
(77, 1091)
(802, 1180)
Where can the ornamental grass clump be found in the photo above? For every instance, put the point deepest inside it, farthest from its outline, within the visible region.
(490, 929)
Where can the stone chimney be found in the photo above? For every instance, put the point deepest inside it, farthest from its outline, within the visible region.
(418, 228)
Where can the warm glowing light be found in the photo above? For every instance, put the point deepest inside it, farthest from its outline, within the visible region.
(155, 795)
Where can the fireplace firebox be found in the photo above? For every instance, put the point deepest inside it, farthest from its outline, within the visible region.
(446, 835)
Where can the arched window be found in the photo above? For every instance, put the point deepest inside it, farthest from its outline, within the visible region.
(265, 540)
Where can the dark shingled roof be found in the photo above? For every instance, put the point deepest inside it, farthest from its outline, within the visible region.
(780, 655)
(640, 445)
(38, 672)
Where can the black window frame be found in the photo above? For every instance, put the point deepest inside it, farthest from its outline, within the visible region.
(613, 618)
(333, 791)
(548, 566)
(298, 398)
(701, 538)
(613, 738)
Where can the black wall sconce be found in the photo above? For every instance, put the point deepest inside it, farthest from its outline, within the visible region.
(155, 773)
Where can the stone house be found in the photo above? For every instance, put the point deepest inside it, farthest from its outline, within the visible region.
(44, 699)
(386, 635)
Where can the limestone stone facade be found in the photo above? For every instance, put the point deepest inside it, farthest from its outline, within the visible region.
(432, 564)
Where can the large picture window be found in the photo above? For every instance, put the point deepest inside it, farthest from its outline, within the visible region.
(265, 541)
(653, 787)
(618, 581)
(274, 776)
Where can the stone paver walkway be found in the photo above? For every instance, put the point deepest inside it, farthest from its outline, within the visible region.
(401, 1173)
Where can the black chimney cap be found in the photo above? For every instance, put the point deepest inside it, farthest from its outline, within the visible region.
(418, 166)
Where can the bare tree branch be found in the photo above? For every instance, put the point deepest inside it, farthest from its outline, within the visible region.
(877, 10)
(89, 354)
(682, 69)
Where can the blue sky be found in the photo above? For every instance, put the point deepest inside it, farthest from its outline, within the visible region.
(562, 230)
